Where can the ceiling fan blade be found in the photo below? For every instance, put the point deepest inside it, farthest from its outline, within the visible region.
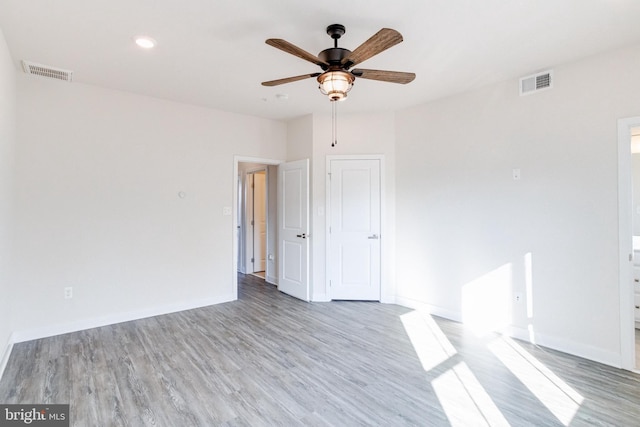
(295, 50)
(289, 79)
(384, 76)
(380, 41)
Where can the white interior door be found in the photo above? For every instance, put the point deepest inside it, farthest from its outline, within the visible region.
(259, 220)
(354, 235)
(293, 225)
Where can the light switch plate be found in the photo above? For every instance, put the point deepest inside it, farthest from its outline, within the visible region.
(516, 174)
(226, 211)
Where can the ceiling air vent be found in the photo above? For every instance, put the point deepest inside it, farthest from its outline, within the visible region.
(536, 82)
(47, 71)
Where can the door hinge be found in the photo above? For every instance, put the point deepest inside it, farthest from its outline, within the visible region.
(329, 283)
(253, 260)
(329, 229)
(252, 222)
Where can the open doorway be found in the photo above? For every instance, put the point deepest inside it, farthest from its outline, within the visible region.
(255, 213)
(287, 225)
(255, 219)
(635, 213)
(629, 240)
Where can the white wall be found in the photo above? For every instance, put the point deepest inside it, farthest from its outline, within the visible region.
(464, 225)
(300, 138)
(357, 134)
(98, 176)
(7, 148)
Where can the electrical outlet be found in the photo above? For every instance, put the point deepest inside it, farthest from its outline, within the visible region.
(68, 292)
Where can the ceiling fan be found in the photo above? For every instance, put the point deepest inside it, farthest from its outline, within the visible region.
(337, 77)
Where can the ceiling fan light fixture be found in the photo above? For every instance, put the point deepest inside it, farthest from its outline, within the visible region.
(335, 84)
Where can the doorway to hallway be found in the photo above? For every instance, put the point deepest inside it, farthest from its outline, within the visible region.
(628, 256)
(256, 220)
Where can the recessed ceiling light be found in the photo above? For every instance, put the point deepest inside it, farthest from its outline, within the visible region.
(145, 42)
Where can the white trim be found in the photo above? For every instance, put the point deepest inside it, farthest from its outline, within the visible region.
(272, 280)
(388, 299)
(321, 298)
(596, 354)
(428, 308)
(385, 287)
(111, 319)
(234, 214)
(625, 251)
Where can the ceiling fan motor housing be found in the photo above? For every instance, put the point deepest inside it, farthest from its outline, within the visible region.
(333, 56)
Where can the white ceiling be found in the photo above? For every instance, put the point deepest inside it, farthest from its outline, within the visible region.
(212, 52)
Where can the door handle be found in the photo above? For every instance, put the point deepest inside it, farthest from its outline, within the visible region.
(373, 237)
(303, 235)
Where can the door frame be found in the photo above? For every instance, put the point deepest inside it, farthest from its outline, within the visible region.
(234, 213)
(625, 233)
(387, 261)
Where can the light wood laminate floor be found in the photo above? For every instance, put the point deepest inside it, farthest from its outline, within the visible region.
(269, 359)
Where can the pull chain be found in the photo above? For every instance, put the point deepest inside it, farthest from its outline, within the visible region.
(334, 123)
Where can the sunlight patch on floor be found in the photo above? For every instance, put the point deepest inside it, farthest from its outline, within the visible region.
(462, 397)
(464, 400)
(562, 400)
(431, 344)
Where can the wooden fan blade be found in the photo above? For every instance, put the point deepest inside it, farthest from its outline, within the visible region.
(384, 76)
(380, 41)
(295, 50)
(289, 79)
